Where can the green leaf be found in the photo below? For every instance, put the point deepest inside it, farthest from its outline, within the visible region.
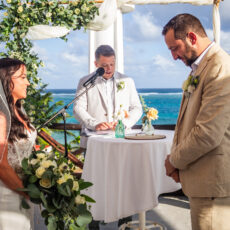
(62, 190)
(32, 179)
(52, 225)
(84, 185)
(33, 191)
(88, 199)
(24, 204)
(25, 163)
(84, 219)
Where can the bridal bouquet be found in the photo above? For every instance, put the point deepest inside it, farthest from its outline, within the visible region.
(51, 180)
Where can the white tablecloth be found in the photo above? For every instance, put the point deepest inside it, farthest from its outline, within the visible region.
(127, 175)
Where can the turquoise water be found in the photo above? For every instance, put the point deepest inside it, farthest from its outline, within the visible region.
(166, 101)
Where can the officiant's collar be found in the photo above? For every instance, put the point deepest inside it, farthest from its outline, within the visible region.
(196, 63)
(110, 79)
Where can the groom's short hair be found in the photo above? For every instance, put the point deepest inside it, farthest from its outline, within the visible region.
(182, 24)
(104, 50)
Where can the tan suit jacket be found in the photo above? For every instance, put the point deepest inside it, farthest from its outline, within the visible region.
(92, 109)
(201, 145)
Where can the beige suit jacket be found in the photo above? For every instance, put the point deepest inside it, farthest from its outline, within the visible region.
(91, 108)
(201, 145)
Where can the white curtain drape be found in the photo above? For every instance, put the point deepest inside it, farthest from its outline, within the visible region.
(107, 16)
(142, 2)
(40, 32)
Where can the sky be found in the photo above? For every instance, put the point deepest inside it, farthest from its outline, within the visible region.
(146, 57)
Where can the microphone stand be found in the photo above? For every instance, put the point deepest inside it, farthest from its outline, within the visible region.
(62, 111)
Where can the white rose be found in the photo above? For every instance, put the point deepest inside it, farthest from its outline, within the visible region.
(45, 183)
(39, 172)
(34, 161)
(79, 199)
(40, 155)
(20, 9)
(46, 163)
(48, 15)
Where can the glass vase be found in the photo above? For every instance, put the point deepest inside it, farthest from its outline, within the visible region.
(147, 128)
(120, 130)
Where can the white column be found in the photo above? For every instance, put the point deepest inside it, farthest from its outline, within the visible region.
(118, 42)
(112, 36)
(97, 38)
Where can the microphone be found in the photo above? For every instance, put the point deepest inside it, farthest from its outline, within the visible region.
(99, 72)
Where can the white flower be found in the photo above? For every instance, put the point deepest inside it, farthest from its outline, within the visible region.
(40, 155)
(47, 163)
(79, 199)
(191, 88)
(120, 85)
(8, 1)
(45, 183)
(64, 178)
(48, 15)
(34, 161)
(39, 172)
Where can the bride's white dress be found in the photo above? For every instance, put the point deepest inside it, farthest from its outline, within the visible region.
(12, 215)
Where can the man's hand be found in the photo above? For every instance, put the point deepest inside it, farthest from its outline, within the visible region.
(105, 126)
(169, 168)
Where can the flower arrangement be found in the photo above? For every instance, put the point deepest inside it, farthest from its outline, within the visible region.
(150, 113)
(190, 84)
(121, 114)
(52, 181)
(120, 85)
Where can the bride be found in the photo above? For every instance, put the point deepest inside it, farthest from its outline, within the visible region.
(17, 137)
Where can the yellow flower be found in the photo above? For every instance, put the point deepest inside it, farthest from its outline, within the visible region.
(20, 9)
(79, 199)
(152, 114)
(45, 183)
(64, 178)
(39, 172)
(6, 14)
(77, 11)
(41, 155)
(34, 161)
(47, 163)
(8, 1)
(75, 186)
(62, 166)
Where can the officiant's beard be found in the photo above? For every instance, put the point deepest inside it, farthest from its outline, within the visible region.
(190, 55)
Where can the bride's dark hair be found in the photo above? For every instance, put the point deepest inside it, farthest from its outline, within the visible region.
(8, 67)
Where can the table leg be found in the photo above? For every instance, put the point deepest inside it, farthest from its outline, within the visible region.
(141, 220)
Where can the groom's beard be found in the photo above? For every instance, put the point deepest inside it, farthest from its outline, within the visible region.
(190, 55)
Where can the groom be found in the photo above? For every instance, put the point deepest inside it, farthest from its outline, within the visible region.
(201, 145)
(96, 109)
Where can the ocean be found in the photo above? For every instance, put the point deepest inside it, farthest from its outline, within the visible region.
(166, 101)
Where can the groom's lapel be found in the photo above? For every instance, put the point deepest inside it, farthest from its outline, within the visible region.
(101, 89)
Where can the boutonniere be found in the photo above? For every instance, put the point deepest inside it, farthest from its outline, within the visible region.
(190, 85)
(120, 85)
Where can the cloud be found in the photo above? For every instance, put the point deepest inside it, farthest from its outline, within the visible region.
(75, 59)
(225, 9)
(141, 27)
(162, 62)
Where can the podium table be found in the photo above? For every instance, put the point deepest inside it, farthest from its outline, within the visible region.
(127, 175)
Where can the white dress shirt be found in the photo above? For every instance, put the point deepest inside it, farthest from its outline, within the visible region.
(109, 90)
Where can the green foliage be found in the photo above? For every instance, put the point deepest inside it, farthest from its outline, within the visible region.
(50, 180)
(16, 18)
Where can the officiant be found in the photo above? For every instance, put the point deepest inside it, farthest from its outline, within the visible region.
(96, 109)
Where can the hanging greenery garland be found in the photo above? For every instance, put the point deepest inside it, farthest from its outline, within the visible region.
(16, 18)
